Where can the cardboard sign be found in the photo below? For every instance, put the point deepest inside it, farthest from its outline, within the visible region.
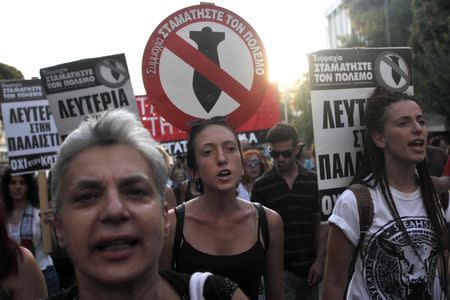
(87, 87)
(205, 61)
(341, 82)
(174, 140)
(30, 130)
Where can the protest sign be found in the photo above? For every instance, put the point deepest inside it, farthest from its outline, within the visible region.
(341, 82)
(174, 140)
(31, 135)
(87, 87)
(204, 61)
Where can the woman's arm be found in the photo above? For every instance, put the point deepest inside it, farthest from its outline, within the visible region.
(273, 275)
(339, 257)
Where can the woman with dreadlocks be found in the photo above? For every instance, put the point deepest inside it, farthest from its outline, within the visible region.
(403, 254)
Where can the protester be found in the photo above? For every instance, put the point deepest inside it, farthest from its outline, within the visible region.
(398, 255)
(308, 161)
(245, 143)
(171, 201)
(218, 232)
(179, 175)
(20, 276)
(187, 191)
(291, 190)
(255, 164)
(20, 196)
(109, 184)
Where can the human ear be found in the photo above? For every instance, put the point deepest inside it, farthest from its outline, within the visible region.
(378, 140)
(58, 232)
(296, 150)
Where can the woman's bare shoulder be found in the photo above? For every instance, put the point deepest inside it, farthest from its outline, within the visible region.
(29, 275)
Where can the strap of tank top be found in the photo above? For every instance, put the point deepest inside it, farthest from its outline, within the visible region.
(263, 225)
(179, 213)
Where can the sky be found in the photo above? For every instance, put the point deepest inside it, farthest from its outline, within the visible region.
(38, 34)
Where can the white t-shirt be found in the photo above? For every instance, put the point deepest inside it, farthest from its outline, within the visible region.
(390, 269)
(43, 259)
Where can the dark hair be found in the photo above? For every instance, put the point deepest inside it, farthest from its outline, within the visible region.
(195, 128)
(282, 132)
(10, 251)
(32, 190)
(373, 168)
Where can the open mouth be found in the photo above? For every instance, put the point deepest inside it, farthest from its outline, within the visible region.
(417, 143)
(224, 173)
(116, 245)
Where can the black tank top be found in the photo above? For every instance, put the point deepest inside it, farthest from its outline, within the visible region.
(245, 268)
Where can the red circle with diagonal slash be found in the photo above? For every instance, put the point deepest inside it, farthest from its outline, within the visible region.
(165, 37)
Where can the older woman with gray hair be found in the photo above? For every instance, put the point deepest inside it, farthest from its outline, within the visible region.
(108, 185)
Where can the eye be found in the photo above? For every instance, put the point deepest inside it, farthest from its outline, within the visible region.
(207, 152)
(87, 197)
(403, 123)
(231, 148)
(137, 192)
(422, 122)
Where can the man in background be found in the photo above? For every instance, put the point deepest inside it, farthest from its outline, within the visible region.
(291, 190)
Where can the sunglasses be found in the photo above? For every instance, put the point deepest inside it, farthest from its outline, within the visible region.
(252, 162)
(286, 153)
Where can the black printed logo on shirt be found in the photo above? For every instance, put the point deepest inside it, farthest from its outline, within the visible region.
(395, 269)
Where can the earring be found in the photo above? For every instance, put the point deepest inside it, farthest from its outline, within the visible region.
(198, 184)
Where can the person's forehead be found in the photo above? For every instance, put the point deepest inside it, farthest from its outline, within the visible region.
(215, 133)
(283, 144)
(252, 157)
(403, 108)
(100, 161)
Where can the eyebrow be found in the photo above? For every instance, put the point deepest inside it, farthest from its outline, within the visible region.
(95, 184)
(133, 180)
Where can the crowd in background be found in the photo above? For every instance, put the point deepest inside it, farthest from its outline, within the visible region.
(187, 178)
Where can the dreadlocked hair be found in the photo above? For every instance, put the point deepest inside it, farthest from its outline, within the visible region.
(372, 172)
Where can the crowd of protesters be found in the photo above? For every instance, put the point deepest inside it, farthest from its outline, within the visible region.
(225, 222)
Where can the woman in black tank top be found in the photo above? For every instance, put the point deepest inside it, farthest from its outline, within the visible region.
(218, 232)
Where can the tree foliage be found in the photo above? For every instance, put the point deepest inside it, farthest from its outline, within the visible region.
(300, 107)
(431, 48)
(369, 23)
(9, 72)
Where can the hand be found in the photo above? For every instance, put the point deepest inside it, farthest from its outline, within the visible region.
(315, 274)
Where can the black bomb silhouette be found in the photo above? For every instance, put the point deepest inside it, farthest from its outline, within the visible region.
(207, 41)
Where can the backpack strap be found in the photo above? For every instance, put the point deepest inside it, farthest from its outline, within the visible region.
(365, 212)
(179, 213)
(442, 191)
(365, 208)
(263, 225)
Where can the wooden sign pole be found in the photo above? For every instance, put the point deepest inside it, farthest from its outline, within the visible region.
(43, 205)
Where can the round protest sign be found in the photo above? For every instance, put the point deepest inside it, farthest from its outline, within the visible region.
(392, 71)
(205, 61)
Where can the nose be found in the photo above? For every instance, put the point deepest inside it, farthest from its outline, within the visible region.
(114, 209)
(221, 156)
(418, 127)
